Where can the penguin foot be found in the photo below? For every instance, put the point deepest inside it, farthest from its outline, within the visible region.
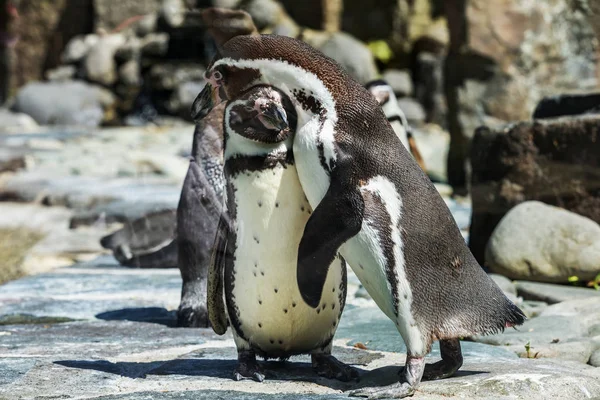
(248, 367)
(192, 317)
(398, 390)
(451, 361)
(192, 311)
(410, 377)
(328, 366)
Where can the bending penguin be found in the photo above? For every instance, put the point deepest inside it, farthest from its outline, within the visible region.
(256, 253)
(372, 204)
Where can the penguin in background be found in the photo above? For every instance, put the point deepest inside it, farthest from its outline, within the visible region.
(372, 204)
(385, 96)
(252, 281)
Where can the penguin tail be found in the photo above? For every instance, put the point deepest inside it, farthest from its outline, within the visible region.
(514, 316)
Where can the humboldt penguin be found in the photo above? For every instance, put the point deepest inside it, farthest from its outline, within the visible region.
(257, 245)
(385, 96)
(372, 204)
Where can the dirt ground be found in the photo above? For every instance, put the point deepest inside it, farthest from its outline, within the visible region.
(14, 245)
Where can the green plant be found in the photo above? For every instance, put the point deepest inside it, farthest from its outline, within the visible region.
(595, 283)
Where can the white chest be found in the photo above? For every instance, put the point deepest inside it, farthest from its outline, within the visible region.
(271, 214)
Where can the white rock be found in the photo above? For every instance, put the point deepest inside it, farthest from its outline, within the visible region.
(535, 241)
(78, 48)
(100, 63)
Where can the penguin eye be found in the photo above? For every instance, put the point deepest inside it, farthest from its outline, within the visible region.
(217, 75)
(248, 108)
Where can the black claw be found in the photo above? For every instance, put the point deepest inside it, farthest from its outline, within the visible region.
(327, 366)
(248, 367)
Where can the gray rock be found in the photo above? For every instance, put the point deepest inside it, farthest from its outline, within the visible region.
(560, 331)
(169, 76)
(535, 241)
(11, 122)
(521, 162)
(578, 350)
(155, 44)
(62, 73)
(129, 351)
(173, 12)
(99, 63)
(64, 103)
(117, 211)
(400, 81)
(504, 283)
(532, 308)
(349, 52)
(129, 73)
(413, 110)
(433, 143)
(147, 24)
(129, 50)
(182, 98)
(551, 293)
(13, 159)
(595, 359)
(78, 48)
(91, 289)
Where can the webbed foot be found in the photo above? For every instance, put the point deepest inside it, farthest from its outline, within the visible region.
(328, 366)
(409, 380)
(398, 390)
(248, 367)
(451, 361)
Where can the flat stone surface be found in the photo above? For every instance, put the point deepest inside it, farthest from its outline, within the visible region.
(120, 344)
(560, 331)
(551, 293)
(93, 288)
(504, 283)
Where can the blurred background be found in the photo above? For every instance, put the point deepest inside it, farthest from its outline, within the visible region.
(500, 94)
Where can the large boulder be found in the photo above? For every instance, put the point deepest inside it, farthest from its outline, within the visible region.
(64, 103)
(554, 161)
(505, 55)
(538, 242)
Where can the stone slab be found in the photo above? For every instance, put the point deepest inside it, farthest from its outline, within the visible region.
(551, 293)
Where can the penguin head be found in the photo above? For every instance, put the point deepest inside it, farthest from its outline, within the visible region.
(247, 60)
(263, 114)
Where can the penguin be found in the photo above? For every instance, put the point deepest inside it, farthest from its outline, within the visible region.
(257, 245)
(385, 96)
(372, 204)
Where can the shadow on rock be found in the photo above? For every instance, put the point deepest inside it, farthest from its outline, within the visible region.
(156, 315)
(210, 368)
(389, 375)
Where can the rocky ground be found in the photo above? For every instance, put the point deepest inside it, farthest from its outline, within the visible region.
(94, 329)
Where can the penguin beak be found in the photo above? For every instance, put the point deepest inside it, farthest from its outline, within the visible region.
(276, 116)
(205, 102)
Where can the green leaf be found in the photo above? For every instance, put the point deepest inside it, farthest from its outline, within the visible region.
(381, 50)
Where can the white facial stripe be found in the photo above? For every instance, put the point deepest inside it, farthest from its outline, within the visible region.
(287, 78)
(239, 145)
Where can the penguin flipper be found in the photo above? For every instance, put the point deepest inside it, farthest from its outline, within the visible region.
(216, 306)
(337, 218)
